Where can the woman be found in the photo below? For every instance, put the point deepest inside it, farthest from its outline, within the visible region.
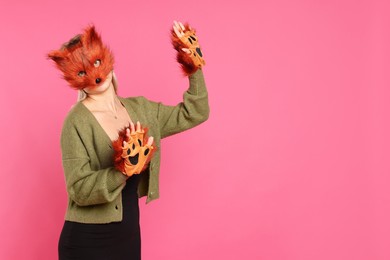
(102, 217)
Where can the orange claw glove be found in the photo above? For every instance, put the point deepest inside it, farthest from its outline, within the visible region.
(186, 43)
(133, 150)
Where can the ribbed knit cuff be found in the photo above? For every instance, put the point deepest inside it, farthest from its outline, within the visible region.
(197, 84)
(115, 179)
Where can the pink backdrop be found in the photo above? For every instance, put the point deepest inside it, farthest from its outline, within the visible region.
(293, 162)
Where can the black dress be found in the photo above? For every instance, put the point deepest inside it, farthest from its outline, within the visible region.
(113, 241)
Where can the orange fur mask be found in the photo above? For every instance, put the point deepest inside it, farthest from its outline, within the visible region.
(84, 61)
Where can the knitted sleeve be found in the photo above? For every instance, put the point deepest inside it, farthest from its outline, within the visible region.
(84, 185)
(192, 111)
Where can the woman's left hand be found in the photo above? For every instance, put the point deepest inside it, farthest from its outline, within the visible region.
(189, 53)
(179, 29)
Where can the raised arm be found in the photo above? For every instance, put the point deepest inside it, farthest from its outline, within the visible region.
(192, 111)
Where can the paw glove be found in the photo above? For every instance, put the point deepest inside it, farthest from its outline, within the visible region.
(190, 62)
(132, 154)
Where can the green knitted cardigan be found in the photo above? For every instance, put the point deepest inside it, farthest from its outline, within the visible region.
(93, 185)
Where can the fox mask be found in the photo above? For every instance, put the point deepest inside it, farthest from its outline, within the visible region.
(84, 61)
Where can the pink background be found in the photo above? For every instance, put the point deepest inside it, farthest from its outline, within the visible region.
(293, 162)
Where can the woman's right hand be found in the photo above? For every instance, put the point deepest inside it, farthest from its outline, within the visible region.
(136, 151)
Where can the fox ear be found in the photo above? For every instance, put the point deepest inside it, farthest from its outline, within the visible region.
(56, 56)
(91, 37)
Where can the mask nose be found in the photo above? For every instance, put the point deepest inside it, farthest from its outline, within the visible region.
(98, 80)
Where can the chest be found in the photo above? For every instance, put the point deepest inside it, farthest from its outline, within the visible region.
(111, 123)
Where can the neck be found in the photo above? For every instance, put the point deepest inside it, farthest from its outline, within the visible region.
(106, 100)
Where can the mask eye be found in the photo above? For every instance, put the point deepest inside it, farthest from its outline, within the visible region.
(97, 63)
(81, 73)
